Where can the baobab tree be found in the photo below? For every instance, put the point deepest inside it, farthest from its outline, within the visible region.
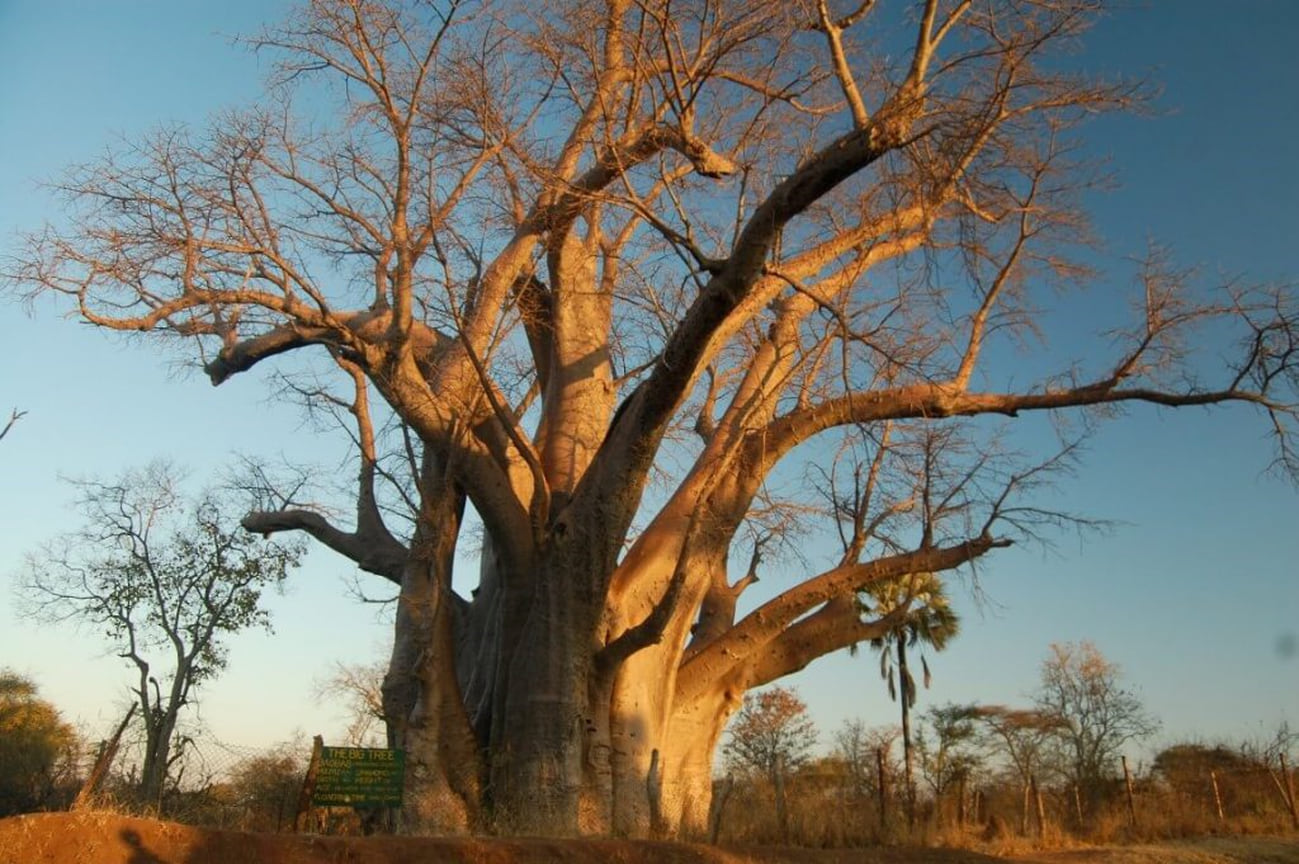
(580, 250)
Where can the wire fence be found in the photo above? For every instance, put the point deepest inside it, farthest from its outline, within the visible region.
(239, 787)
(214, 784)
(826, 805)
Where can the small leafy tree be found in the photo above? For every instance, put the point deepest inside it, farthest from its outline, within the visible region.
(38, 751)
(1183, 766)
(1024, 736)
(948, 748)
(266, 787)
(772, 729)
(860, 747)
(1099, 716)
(166, 581)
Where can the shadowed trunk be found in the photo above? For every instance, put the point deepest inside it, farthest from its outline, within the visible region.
(540, 745)
(422, 700)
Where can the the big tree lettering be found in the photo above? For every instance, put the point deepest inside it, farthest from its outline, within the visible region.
(578, 248)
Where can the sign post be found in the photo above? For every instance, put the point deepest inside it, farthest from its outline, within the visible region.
(350, 777)
(358, 777)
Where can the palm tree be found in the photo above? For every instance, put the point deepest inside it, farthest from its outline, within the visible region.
(930, 621)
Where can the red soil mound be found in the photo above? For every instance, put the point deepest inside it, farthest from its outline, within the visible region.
(107, 838)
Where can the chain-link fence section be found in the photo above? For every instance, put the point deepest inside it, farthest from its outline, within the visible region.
(213, 783)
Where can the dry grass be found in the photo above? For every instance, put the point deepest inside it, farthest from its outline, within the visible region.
(823, 818)
(110, 838)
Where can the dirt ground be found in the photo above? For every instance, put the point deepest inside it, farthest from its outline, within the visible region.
(107, 838)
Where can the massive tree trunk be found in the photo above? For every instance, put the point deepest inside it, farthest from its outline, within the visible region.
(694, 734)
(422, 700)
(537, 764)
(541, 744)
(534, 267)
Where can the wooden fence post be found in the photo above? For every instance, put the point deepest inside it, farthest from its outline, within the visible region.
(719, 805)
(1289, 792)
(308, 785)
(1217, 796)
(107, 752)
(1127, 781)
(883, 786)
(1041, 809)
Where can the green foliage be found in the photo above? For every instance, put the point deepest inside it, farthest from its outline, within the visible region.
(1186, 765)
(266, 789)
(38, 751)
(929, 621)
(166, 581)
(950, 748)
(150, 569)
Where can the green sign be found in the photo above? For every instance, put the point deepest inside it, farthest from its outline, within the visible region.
(358, 777)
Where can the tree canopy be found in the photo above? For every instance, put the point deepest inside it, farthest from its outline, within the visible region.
(771, 733)
(166, 581)
(1096, 715)
(38, 749)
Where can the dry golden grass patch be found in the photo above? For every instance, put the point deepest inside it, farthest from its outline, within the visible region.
(111, 838)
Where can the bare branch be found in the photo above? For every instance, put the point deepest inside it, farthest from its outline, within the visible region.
(14, 417)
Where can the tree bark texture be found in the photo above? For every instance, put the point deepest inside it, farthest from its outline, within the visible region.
(583, 254)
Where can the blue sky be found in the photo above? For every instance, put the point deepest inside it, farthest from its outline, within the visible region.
(1194, 594)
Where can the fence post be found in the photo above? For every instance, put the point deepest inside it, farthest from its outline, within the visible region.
(883, 787)
(107, 752)
(1077, 803)
(1217, 796)
(1041, 810)
(1289, 791)
(308, 785)
(1127, 781)
(782, 814)
(718, 807)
